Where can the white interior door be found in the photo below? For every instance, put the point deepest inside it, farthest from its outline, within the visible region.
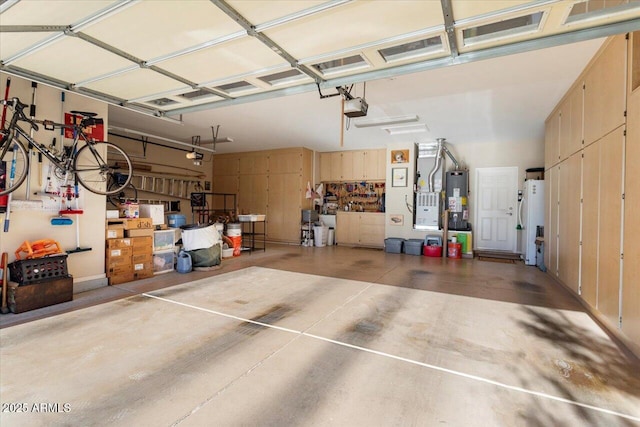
(496, 208)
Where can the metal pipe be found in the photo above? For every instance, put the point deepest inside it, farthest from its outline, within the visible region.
(453, 159)
(437, 164)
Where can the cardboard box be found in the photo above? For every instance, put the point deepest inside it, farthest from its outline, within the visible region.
(118, 243)
(142, 245)
(143, 266)
(155, 212)
(115, 270)
(137, 223)
(130, 210)
(118, 256)
(38, 295)
(113, 214)
(142, 257)
(121, 278)
(139, 232)
(115, 233)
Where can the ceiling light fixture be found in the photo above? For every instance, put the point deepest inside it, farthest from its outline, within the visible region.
(398, 130)
(382, 121)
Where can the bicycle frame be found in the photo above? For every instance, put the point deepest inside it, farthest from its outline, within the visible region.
(64, 163)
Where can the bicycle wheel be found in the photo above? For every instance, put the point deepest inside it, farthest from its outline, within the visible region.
(93, 171)
(14, 173)
(130, 193)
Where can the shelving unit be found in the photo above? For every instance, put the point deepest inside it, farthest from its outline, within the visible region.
(206, 207)
(251, 237)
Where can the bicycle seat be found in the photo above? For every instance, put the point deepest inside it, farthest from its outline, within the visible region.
(84, 113)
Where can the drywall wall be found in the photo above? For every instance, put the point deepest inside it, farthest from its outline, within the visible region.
(162, 172)
(399, 200)
(32, 222)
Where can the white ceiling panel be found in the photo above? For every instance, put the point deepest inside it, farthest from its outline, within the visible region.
(354, 24)
(464, 9)
(156, 28)
(58, 12)
(66, 60)
(259, 11)
(13, 43)
(136, 84)
(233, 58)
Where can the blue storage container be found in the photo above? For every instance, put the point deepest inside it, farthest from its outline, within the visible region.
(176, 220)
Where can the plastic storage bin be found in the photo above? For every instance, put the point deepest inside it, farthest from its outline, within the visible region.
(393, 245)
(432, 251)
(163, 262)
(413, 246)
(163, 240)
(176, 221)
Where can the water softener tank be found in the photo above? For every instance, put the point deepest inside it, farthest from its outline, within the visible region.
(457, 199)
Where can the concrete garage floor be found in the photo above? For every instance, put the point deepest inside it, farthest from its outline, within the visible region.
(319, 336)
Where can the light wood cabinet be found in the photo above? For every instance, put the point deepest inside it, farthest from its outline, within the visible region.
(226, 184)
(590, 220)
(631, 272)
(226, 164)
(360, 229)
(551, 140)
(569, 220)
(577, 120)
(551, 242)
(253, 164)
(325, 167)
(252, 194)
(347, 166)
(605, 91)
(355, 165)
(609, 249)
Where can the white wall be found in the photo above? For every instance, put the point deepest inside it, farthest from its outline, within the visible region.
(87, 268)
(473, 156)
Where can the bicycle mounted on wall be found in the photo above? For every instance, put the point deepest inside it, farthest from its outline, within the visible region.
(87, 164)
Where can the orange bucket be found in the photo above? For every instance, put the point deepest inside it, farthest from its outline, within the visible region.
(237, 244)
(455, 250)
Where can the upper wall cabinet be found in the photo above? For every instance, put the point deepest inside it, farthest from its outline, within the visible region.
(353, 165)
(605, 91)
(551, 140)
(226, 164)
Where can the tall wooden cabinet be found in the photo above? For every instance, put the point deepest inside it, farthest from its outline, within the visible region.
(631, 248)
(271, 182)
(592, 143)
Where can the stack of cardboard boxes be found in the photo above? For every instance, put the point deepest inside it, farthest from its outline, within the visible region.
(129, 253)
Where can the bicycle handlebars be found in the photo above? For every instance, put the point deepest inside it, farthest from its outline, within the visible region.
(88, 119)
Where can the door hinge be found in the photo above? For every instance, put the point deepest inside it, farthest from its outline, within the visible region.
(622, 196)
(626, 36)
(624, 132)
(622, 256)
(620, 322)
(625, 113)
(580, 244)
(584, 86)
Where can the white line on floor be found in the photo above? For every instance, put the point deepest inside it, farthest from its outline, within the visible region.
(404, 359)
